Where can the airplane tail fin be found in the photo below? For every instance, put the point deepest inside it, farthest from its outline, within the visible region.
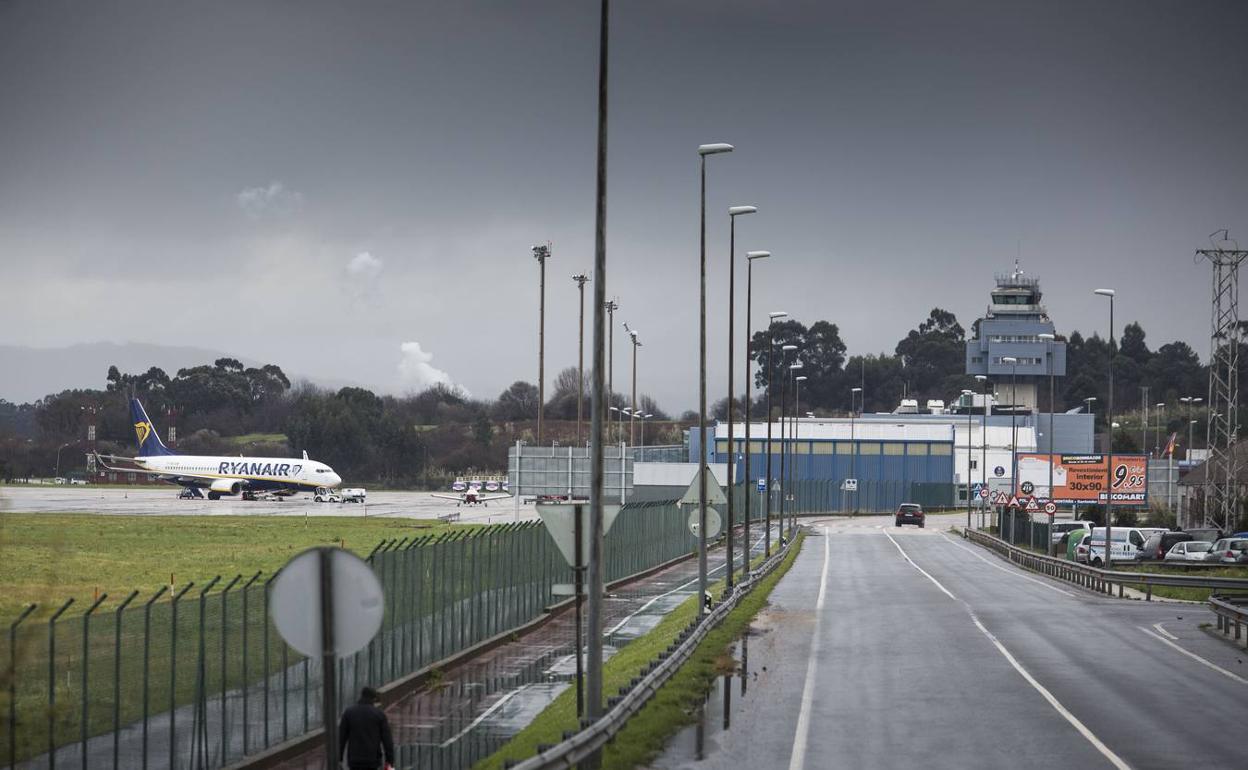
(145, 433)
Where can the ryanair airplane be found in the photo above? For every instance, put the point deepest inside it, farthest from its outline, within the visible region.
(220, 475)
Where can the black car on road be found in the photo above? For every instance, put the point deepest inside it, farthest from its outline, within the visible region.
(909, 513)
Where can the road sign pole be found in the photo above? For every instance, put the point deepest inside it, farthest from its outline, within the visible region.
(579, 592)
(329, 676)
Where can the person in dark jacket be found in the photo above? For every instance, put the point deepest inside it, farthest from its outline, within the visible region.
(364, 733)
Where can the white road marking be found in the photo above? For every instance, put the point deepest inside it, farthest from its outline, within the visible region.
(1165, 633)
(1196, 657)
(1037, 581)
(798, 758)
(484, 715)
(1105, 751)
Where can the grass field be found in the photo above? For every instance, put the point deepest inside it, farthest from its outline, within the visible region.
(47, 558)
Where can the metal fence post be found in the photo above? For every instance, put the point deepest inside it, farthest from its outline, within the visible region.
(13, 682)
(268, 671)
(117, 677)
(225, 628)
(246, 681)
(86, 654)
(173, 672)
(199, 725)
(147, 648)
(52, 683)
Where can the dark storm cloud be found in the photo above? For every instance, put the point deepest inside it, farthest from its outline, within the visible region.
(221, 168)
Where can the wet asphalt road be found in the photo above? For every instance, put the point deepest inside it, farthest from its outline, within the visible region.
(973, 664)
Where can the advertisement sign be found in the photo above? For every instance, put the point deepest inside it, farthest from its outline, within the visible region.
(1081, 478)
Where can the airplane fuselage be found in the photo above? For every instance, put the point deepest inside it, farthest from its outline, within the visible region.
(234, 475)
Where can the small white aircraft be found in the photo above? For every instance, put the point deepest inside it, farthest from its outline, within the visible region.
(471, 497)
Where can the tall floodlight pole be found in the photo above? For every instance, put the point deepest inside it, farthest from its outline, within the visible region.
(797, 425)
(632, 333)
(703, 151)
(1144, 421)
(970, 410)
(749, 400)
(611, 306)
(983, 442)
(733, 213)
(1161, 426)
(1109, 445)
(581, 279)
(1048, 359)
(541, 254)
(771, 481)
(597, 402)
(784, 418)
(855, 394)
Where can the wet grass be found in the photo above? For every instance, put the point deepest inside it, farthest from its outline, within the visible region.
(672, 707)
(46, 558)
(1180, 592)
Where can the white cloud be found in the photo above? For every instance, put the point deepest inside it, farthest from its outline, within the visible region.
(416, 372)
(365, 266)
(276, 199)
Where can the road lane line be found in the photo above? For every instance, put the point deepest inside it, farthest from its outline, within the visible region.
(1003, 569)
(484, 715)
(1108, 753)
(797, 759)
(1195, 657)
(1165, 633)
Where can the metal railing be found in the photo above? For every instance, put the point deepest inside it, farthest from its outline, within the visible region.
(1101, 580)
(1230, 611)
(632, 698)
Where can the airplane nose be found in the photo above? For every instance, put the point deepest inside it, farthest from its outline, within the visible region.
(335, 479)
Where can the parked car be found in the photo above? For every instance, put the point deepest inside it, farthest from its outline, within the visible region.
(1227, 550)
(1127, 542)
(1082, 548)
(1062, 528)
(1157, 546)
(909, 513)
(1189, 550)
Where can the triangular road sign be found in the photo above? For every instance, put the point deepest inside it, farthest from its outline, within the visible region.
(714, 493)
(560, 521)
(1014, 501)
(1032, 505)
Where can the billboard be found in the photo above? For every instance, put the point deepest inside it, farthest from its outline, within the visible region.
(1081, 478)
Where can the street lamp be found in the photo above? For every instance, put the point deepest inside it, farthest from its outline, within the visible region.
(983, 441)
(541, 254)
(797, 424)
(750, 256)
(1190, 401)
(581, 279)
(969, 410)
(1161, 425)
(632, 440)
(1013, 362)
(854, 394)
(611, 306)
(784, 416)
(1048, 359)
(733, 213)
(703, 151)
(57, 472)
(1109, 450)
(775, 315)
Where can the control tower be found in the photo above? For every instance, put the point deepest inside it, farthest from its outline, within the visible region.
(1012, 328)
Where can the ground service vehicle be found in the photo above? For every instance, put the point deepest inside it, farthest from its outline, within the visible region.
(909, 513)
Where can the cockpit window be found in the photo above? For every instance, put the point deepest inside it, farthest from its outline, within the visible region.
(322, 470)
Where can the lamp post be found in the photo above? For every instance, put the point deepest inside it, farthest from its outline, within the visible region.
(970, 408)
(983, 442)
(784, 449)
(541, 254)
(1109, 449)
(643, 418)
(797, 425)
(57, 472)
(611, 306)
(854, 395)
(632, 439)
(1161, 425)
(703, 151)
(733, 213)
(581, 279)
(748, 492)
(771, 351)
(1048, 359)
(1191, 401)
(1013, 362)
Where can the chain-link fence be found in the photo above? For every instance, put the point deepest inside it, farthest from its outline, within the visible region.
(196, 676)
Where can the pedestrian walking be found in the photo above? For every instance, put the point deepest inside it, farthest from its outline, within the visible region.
(365, 734)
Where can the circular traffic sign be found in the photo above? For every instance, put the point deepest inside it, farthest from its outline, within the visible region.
(983, 491)
(1028, 487)
(999, 470)
(713, 523)
(357, 599)
(1050, 507)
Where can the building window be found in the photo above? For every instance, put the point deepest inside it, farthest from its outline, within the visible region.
(721, 446)
(756, 447)
(974, 464)
(917, 450)
(894, 448)
(822, 447)
(801, 448)
(942, 450)
(868, 447)
(844, 448)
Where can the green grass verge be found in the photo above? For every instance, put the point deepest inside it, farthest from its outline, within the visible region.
(47, 558)
(1180, 592)
(672, 707)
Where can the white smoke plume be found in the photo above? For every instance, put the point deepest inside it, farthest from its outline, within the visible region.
(416, 370)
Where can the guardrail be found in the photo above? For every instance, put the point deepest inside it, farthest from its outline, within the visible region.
(620, 708)
(1229, 612)
(1101, 580)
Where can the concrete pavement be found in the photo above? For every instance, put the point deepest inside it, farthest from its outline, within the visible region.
(929, 651)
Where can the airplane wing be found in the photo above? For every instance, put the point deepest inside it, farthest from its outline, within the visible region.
(456, 498)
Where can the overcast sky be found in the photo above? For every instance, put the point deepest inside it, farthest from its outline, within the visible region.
(351, 190)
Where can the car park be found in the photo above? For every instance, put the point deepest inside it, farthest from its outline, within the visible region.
(1188, 550)
(1227, 550)
(1158, 545)
(909, 513)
